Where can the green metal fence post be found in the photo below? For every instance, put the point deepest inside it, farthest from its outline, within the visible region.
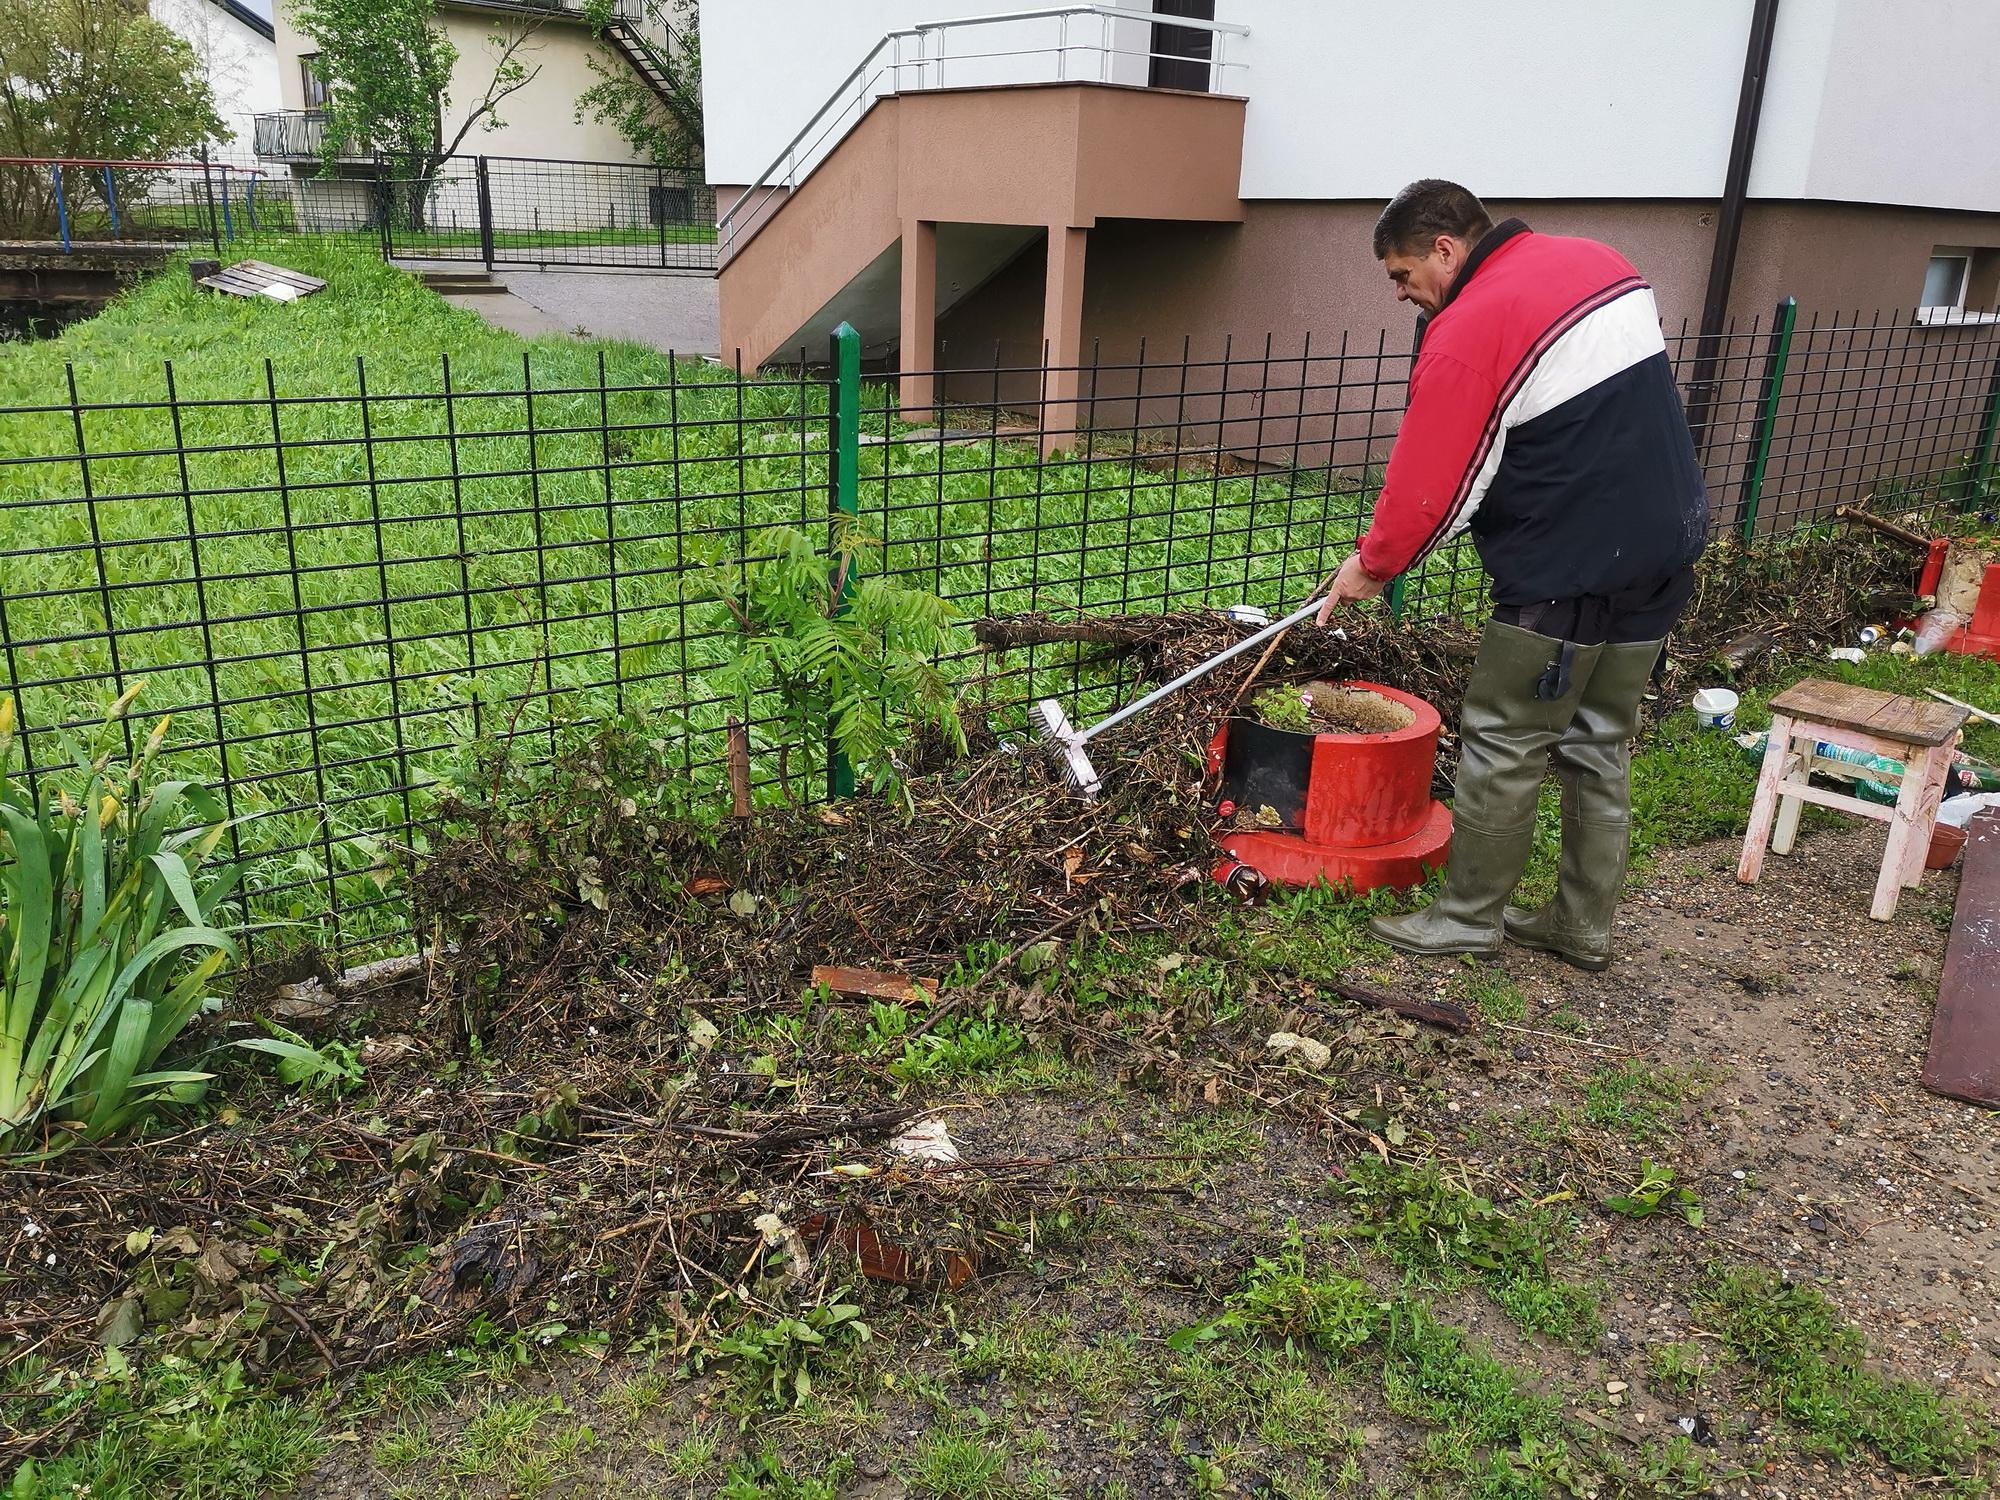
(1989, 431)
(1767, 416)
(844, 474)
(1399, 586)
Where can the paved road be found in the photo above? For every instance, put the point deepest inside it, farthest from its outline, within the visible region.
(680, 312)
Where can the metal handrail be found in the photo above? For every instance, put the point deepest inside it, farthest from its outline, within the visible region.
(930, 74)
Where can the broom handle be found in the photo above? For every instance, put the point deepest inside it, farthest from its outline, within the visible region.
(1276, 628)
(1276, 641)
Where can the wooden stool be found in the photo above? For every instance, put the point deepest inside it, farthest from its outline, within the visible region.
(1922, 735)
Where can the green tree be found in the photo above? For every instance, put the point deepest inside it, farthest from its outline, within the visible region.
(387, 66)
(658, 113)
(91, 78)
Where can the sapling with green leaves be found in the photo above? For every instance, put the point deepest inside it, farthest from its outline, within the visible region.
(1288, 707)
(838, 646)
(110, 945)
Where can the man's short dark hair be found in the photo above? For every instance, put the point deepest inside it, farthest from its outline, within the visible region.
(1425, 209)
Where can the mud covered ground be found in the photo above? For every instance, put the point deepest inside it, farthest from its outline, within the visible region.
(1764, 1041)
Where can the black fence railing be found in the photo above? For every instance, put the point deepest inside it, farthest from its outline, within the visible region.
(197, 205)
(493, 211)
(515, 211)
(344, 594)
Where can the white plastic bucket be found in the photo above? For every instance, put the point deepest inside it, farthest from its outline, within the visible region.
(1715, 708)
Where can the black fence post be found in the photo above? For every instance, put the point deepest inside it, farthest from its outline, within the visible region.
(659, 207)
(208, 193)
(385, 205)
(485, 211)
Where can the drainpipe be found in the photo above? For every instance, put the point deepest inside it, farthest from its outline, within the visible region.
(1729, 223)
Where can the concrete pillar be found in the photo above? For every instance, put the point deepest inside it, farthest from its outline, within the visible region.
(1062, 336)
(915, 389)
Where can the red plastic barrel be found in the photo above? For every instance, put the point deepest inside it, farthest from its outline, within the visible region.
(1373, 788)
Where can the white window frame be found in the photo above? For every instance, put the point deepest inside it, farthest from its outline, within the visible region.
(1953, 314)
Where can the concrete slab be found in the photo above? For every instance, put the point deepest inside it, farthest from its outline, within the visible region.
(681, 313)
(510, 312)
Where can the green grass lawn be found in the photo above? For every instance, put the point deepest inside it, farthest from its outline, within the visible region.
(391, 575)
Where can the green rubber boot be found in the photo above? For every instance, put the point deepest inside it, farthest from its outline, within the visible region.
(1505, 732)
(1593, 759)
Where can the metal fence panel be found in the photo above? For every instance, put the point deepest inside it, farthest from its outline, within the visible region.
(342, 595)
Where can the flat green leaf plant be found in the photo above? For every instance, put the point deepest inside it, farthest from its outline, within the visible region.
(843, 648)
(108, 939)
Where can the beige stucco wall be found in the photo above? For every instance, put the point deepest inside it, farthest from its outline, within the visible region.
(538, 120)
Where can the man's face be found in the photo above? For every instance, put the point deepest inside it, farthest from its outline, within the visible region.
(1424, 278)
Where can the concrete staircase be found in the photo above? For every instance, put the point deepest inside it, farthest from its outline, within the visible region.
(970, 178)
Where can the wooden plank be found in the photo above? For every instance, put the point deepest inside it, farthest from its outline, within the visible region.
(1765, 807)
(1964, 1060)
(874, 984)
(1909, 721)
(1839, 801)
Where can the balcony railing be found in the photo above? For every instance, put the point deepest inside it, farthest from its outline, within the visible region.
(631, 11)
(295, 135)
(1064, 43)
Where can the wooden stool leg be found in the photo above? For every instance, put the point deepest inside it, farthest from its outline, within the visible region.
(1798, 770)
(1765, 805)
(1906, 829)
(1935, 773)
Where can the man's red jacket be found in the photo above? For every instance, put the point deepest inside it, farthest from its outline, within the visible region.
(1543, 416)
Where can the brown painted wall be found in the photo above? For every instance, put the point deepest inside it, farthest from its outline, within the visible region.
(1867, 398)
(1068, 153)
(1061, 154)
(1294, 268)
(825, 234)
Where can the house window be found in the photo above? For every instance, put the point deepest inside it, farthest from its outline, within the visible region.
(1944, 280)
(315, 86)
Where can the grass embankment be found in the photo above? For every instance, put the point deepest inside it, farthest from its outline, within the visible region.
(375, 570)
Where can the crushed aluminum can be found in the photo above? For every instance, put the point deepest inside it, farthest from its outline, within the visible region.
(1245, 882)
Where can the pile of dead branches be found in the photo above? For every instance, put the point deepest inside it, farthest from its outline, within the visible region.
(650, 1174)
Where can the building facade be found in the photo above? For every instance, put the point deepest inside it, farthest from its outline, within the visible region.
(235, 44)
(538, 122)
(988, 190)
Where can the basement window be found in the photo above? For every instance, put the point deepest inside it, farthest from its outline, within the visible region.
(1954, 272)
(1944, 281)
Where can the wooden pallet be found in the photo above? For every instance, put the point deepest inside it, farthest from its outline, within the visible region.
(256, 278)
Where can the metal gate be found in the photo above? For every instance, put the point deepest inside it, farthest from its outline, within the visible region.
(518, 211)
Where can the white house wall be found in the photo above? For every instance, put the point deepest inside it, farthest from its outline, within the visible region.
(1880, 101)
(767, 65)
(1911, 106)
(537, 121)
(239, 62)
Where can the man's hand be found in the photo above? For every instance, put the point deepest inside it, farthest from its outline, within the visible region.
(1352, 582)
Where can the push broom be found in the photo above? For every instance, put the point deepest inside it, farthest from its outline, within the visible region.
(1067, 742)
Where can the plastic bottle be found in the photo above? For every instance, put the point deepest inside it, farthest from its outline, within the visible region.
(1934, 628)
